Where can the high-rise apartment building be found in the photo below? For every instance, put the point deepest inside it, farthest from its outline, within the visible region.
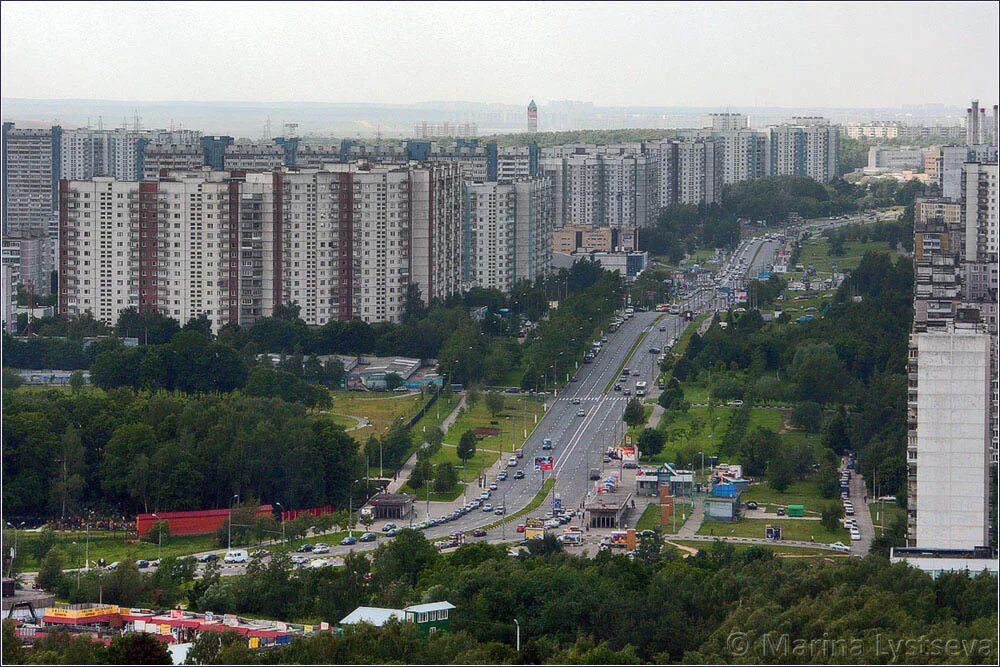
(808, 146)
(691, 171)
(532, 117)
(615, 186)
(251, 157)
(948, 452)
(726, 122)
(159, 158)
(31, 164)
(508, 232)
(338, 242)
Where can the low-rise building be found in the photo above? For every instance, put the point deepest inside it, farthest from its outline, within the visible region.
(429, 618)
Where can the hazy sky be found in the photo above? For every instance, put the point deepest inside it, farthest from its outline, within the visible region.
(697, 54)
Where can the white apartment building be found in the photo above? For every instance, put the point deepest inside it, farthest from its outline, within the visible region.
(508, 230)
(948, 453)
(691, 171)
(807, 147)
(726, 122)
(435, 246)
(29, 257)
(161, 246)
(949, 169)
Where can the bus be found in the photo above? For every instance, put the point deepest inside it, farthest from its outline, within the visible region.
(640, 388)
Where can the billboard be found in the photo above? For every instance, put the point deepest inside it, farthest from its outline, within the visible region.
(543, 463)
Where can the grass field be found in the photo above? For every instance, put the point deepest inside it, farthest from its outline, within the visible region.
(381, 410)
(650, 519)
(780, 551)
(517, 417)
(798, 493)
(109, 546)
(888, 513)
(437, 414)
(791, 529)
(685, 337)
(816, 251)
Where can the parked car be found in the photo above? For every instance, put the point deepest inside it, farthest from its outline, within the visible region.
(299, 560)
(369, 537)
(322, 549)
(736, 403)
(305, 548)
(780, 511)
(236, 556)
(488, 507)
(392, 532)
(204, 558)
(617, 387)
(387, 527)
(348, 541)
(493, 486)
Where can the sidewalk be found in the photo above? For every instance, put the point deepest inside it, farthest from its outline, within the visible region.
(693, 523)
(407, 468)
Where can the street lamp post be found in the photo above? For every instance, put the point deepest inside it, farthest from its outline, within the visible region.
(518, 639)
(282, 515)
(159, 536)
(236, 497)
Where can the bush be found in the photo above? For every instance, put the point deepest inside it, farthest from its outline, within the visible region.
(727, 390)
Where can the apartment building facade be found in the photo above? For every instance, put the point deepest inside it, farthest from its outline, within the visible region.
(232, 246)
(507, 232)
(31, 164)
(808, 146)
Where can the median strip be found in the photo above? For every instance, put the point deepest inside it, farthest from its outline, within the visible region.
(628, 357)
(530, 507)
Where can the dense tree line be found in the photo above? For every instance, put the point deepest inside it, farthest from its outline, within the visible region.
(655, 608)
(854, 356)
(159, 451)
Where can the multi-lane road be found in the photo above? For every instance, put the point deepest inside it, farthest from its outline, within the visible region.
(580, 441)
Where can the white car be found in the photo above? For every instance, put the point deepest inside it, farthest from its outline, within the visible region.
(855, 535)
(840, 546)
(319, 562)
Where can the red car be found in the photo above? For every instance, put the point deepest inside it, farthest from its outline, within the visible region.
(479, 532)
(520, 528)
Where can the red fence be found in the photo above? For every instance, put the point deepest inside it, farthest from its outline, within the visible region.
(197, 522)
(311, 511)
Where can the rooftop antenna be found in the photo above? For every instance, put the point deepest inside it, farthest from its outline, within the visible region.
(267, 128)
(136, 119)
(100, 122)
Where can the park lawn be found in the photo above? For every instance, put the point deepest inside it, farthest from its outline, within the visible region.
(695, 393)
(817, 252)
(650, 519)
(890, 513)
(764, 418)
(437, 414)
(343, 421)
(779, 550)
(517, 417)
(791, 529)
(798, 493)
(690, 429)
(435, 496)
(381, 409)
(111, 547)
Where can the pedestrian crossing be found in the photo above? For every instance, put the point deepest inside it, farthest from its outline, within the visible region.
(595, 399)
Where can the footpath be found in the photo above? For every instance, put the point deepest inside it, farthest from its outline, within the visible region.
(404, 472)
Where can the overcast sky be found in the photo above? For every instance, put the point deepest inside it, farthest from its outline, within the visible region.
(697, 54)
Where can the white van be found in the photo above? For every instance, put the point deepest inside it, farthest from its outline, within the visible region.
(237, 556)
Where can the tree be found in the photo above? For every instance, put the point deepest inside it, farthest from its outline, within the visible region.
(159, 532)
(11, 378)
(808, 415)
(634, 414)
(445, 477)
(545, 546)
(818, 372)
(423, 472)
(651, 441)
(50, 574)
(403, 558)
(831, 515)
(757, 448)
(471, 398)
(41, 546)
(434, 436)
(138, 648)
(467, 446)
(393, 381)
(13, 651)
(779, 473)
(76, 381)
(494, 403)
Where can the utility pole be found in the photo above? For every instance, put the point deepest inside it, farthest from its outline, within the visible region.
(230, 539)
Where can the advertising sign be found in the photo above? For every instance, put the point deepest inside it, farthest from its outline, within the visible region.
(543, 463)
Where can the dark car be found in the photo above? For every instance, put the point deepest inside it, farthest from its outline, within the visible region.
(208, 558)
(519, 474)
(479, 532)
(348, 541)
(368, 537)
(304, 549)
(752, 505)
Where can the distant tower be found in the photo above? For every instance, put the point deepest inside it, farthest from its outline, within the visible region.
(532, 117)
(973, 125)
